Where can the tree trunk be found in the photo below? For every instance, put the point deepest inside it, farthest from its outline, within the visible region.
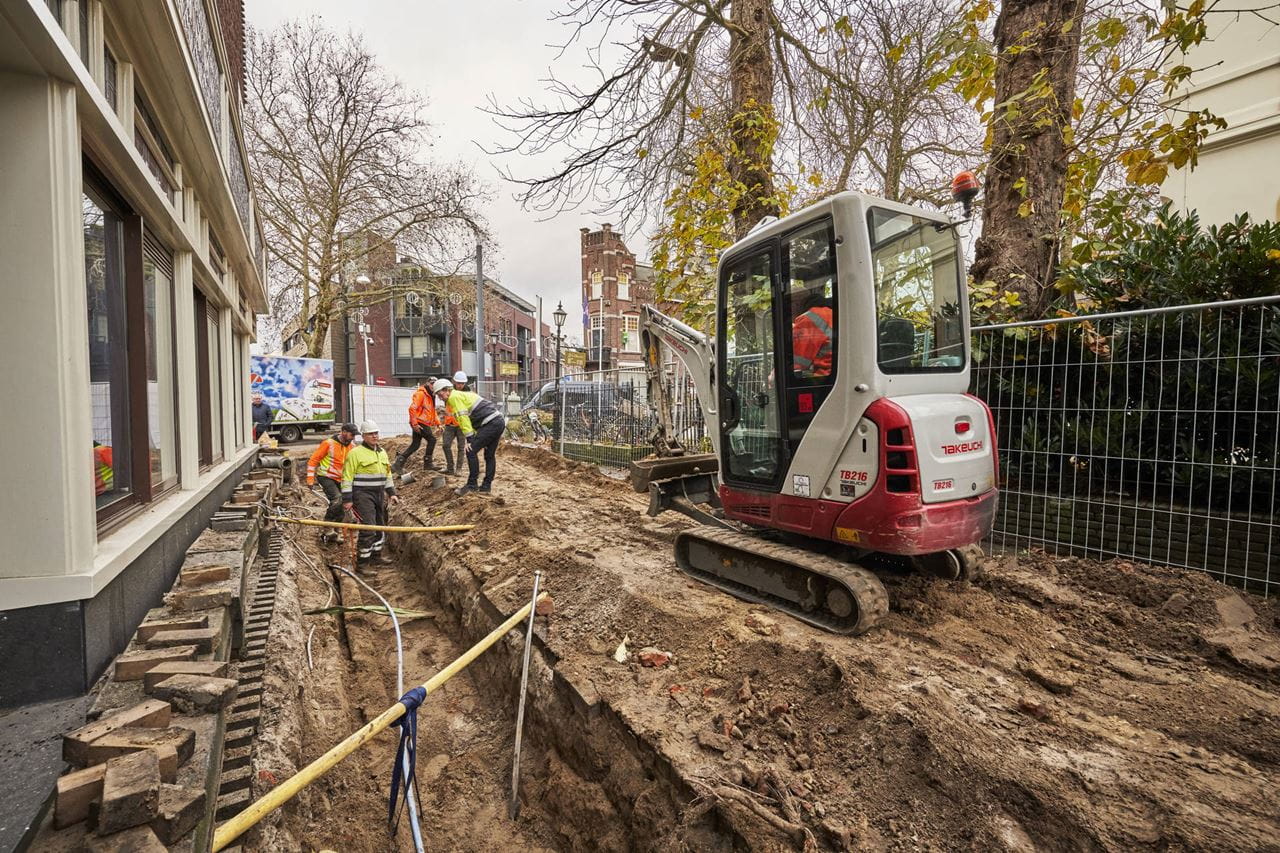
(750, 162)
(1018, 248)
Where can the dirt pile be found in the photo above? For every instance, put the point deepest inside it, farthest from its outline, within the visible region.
(1059, 703)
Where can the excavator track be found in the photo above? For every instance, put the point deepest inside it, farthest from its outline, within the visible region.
(838, 597)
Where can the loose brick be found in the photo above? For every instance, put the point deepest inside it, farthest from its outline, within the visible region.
(180, 810)
(147, 629)
(161, 671)
(140, 839)
(150, 714)
(130, 792)
(204, 575)
(125, 740)
(202, 638)
(76, 790)
(197, 694)
(132, 666)
(198, 598)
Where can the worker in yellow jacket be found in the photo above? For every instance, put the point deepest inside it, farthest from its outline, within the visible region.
(482, 423)
(368, 491)
(327, 463)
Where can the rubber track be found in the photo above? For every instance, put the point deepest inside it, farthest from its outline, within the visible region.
(869, 595)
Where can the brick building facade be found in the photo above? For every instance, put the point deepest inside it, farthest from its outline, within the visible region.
(614, 288)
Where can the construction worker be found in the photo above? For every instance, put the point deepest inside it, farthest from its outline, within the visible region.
(811, 342)
(327, 461)
(452, 432)
(263, 415)
(368, 492)
(482, 423)
(104, 475)
(422, 423)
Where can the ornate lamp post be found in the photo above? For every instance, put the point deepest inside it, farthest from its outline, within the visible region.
(559, 316)
(493, 345)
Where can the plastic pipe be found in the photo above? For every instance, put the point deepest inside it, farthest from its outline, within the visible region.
(286, 790)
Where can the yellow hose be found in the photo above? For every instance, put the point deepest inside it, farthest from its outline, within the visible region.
(443, 528)
(282, 793)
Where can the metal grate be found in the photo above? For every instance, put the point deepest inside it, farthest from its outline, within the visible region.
(1151, 435)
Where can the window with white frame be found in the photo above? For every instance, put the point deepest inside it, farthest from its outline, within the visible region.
(624, 286)
(597, 331)
(631, 333)
(597, 284)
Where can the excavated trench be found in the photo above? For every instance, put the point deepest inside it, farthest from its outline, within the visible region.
(588, 781)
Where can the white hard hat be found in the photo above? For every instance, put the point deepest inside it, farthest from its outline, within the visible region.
(460, 377)
(368, 426)
(441, 384)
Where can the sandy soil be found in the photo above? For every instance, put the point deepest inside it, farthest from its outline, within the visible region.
(1057, 704)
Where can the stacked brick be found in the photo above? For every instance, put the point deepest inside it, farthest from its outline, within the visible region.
(145, 773)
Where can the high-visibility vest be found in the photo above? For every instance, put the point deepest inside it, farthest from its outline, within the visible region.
(327, 460)
(811, 342)
(365, 468)
(104, 475)
(422, 409)
(471, 410)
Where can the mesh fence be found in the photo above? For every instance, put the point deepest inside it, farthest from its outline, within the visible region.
(1148, 435)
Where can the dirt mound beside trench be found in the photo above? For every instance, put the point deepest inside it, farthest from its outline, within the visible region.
(1059, 704)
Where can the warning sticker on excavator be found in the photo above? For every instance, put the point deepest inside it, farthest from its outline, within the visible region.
(848, 534)
(800, 485)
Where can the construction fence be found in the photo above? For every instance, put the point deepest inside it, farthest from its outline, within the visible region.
(1151, 435)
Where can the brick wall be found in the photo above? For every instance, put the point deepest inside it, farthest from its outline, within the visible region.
(231, 16)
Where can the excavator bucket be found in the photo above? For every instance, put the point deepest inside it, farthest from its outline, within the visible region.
(646, 471)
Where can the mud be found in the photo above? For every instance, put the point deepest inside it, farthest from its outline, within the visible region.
(1057, 704)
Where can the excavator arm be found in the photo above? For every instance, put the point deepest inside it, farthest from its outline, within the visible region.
(673, 477)
(660, 335)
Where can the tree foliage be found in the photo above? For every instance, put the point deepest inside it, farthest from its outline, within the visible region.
(1122, 130)
(336, 147)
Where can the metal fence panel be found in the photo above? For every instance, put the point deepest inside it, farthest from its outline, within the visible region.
(1150, 435)
(388, 405)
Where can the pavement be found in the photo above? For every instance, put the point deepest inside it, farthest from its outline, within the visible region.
(31, 761)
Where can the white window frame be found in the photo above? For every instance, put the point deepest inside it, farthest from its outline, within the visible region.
(597, 284)
(631, 331)
(624, 287)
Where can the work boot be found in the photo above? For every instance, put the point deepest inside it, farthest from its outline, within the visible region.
(485, 487)
(326, 537)
(451, 471)
(462, 490)
(430, 466)
(381, 559)
(397, 466)
(338, 538)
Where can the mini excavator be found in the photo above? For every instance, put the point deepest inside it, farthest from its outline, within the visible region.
(835, 394)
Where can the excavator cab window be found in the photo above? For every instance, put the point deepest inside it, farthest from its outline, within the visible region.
(919, 324)
(749, 407)
(810, 314)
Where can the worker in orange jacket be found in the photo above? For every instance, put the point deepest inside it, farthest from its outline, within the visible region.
(326, 464)
(811, 336)
(422, 423)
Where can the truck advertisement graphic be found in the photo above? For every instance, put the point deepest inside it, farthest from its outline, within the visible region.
(300, 390)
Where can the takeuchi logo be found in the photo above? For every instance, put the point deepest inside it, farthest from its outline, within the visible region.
(962, 447)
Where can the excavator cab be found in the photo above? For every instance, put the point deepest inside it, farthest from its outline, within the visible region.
(836, 398)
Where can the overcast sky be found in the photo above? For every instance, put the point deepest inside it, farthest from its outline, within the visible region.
(458, 53)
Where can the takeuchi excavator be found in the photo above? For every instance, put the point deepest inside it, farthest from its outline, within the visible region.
(835, 396)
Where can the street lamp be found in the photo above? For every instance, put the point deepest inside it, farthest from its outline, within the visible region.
(559, 316)
(493, 345)
(363, 328)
